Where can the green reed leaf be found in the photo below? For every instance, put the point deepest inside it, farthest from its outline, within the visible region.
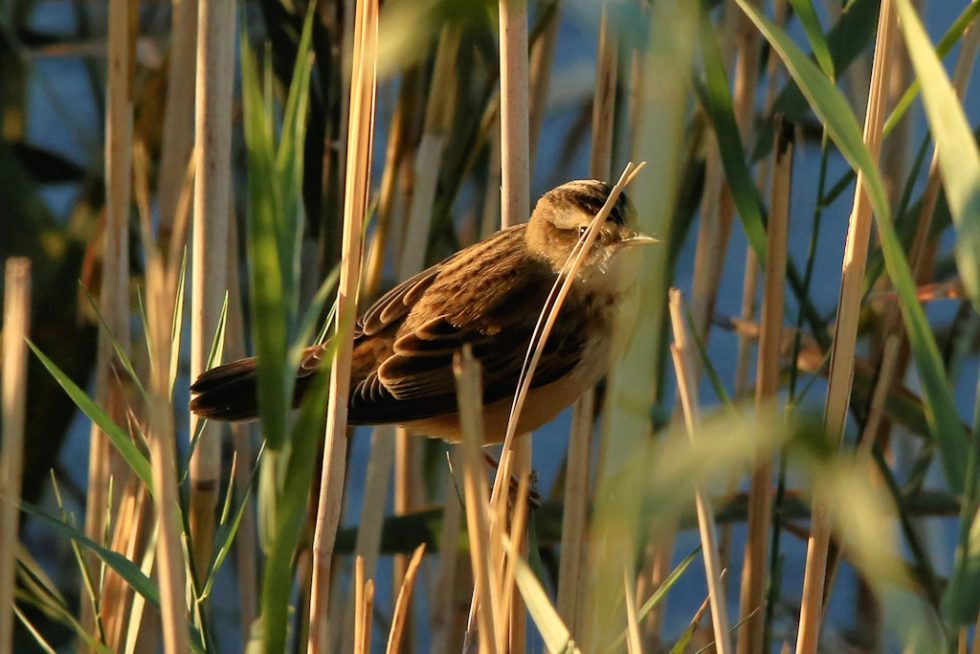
(119, 438)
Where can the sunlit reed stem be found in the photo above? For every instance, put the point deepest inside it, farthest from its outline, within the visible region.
(13, 405)
(845, 335)
(212, 210)
(469, 393)
(756, 561)
(358, 185)
(162, 441)
(177, 136)
(687, 389)
(114, 292)
(400, 617)
(515, 198)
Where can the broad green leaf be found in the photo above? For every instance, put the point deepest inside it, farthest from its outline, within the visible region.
(268, 310)
(842, 127)
(119, 438)
(959, 161)
(123, 566)
(814, 34)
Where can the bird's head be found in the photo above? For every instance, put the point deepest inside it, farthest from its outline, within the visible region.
(562, 216)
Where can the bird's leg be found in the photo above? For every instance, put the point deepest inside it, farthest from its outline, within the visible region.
(533, 497)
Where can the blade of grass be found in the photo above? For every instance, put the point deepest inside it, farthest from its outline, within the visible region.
(959, 160)
(126, 568)
(120, 439)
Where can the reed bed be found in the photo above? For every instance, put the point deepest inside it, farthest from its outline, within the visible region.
(708, 505)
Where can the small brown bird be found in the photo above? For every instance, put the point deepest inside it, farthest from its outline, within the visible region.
(488, 295)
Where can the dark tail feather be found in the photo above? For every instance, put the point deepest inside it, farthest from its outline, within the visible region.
(227, 392)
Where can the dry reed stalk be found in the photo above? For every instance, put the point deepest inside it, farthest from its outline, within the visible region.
(574, 513)
(443, 608)
(845, 335)
(542, 59)
(486, 603)
(514, 546)
(750, 279)
(886, 374)
(425, 172)
(162, 445)
(374, 265)
(515, 193)
(129, 534)
(401, 615)
(515, 176)
(604, 100)
(687, 389)
(755, 567)
(368, 543)
(212, 208)
(13, 401)
(177, 139)
(104, 463)
(358, 185)
(114, 292)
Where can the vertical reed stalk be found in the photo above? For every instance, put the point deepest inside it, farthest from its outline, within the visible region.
(845, 336)
(212, 208)
(542, 59)
(177, 139)
(687, 390)
(13, 402)
(444, 608)
(515, 192)
(162, 445)
(468, 388)
(577, 473)
(357, 187)
(756, 560)
(401, 615)
(114, 293)
(368, 542)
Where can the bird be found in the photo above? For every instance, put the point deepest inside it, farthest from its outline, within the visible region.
(488, 295)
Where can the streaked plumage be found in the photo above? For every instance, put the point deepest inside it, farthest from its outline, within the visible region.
(488, 295)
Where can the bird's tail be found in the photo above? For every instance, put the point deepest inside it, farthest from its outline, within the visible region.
(227, 392)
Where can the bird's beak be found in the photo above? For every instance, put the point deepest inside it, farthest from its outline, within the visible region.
(636, 238)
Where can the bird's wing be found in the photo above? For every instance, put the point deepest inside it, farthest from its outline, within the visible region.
(416, 381)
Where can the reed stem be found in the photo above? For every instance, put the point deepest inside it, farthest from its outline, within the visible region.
(13, 407)
(358, 185)
(845, 336)
(209, 265)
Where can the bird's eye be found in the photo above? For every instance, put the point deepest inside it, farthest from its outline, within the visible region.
(582, 230)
